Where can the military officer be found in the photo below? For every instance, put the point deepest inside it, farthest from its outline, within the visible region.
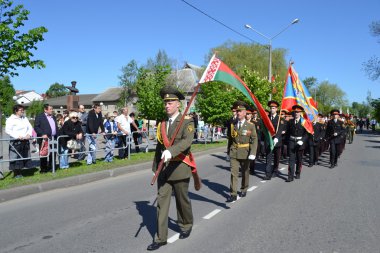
(334, 131)
(242, 146)
(179, 163)
(351, 129)
(319, 134)
(277, 141)
(297, 138)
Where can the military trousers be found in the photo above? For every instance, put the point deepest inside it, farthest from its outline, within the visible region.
(183, 204)
(235, 165)
(274, 155)
(295, 159)
(334, 152)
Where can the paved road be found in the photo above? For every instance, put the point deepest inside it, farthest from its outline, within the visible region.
(328, 210)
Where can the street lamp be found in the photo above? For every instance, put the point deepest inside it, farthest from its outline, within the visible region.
(270, 43)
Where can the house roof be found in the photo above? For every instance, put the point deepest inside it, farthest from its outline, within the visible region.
(85, 99)
(111, 94)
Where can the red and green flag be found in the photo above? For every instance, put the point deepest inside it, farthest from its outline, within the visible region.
(219, 71)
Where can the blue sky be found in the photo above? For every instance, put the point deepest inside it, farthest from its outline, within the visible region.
(89, 40)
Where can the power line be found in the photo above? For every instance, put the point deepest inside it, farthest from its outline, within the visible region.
(219, 22)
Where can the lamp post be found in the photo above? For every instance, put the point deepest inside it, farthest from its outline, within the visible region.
(270, 43)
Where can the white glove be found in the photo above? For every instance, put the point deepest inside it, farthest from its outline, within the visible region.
(251, 157)
(228, 158)
(335, 134)
(275, 140)
(166, 155)
(300, 143)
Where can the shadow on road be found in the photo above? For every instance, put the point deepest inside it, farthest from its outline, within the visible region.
(195, 196)
(148, 214)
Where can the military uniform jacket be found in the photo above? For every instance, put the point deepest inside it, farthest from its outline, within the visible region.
(319, 132)
(281, 128)
(242, 142)
(175, 169)
(335, 127)
(298, 131)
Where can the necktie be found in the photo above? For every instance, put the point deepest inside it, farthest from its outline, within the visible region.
(169, 125)
(239, 125)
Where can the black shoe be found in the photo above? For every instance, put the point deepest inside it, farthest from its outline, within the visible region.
(156, 245)
(252, 172)
(243, 194)
(336, 165)
(268, 178)
(332, 166)
(185, 234)
(311, 165)
(231, 199)
(289, 180)
(298, 176)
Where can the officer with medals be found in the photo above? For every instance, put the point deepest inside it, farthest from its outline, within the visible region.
(277, 141)
(297, 138)
(334, 131)
(242, 147)
(178, 168)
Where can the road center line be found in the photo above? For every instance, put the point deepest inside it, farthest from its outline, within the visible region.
(212, 214)
(252, 188)
(173, 238)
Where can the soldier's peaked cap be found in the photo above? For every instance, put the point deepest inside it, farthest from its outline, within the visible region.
(297, 108)
(240, 105)
(334, 112)
(170, 92)
(250, 109)
(273, 103)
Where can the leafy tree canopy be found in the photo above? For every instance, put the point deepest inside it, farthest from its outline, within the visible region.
(57, 90)
(15, 47)
(6, 95)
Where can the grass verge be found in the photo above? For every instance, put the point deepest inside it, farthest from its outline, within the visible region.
(32, 176)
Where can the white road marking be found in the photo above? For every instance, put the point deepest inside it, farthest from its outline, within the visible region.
(263, 181)
(173, 238)
(282, 168)
(212, 214)
(252, 188)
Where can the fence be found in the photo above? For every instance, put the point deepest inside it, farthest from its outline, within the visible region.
(148, 140)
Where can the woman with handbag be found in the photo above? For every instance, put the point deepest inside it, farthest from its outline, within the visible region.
(72, 128)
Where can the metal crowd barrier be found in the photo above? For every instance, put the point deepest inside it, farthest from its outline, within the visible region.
(149, 139)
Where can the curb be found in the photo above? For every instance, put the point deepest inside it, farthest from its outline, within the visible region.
(22, 191)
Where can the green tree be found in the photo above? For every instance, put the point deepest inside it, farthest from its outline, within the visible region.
(372, 66)
(330, 96)
(148, 86)
(57, 90)
(35, 108)
(253, 56)
(376, 106)
(161, 59)
(214, 101)
(16, 48)
(6, 95)
(361, 110)
(128, 81)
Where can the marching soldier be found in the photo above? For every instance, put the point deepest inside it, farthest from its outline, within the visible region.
(179, 165)
(334, 131)
(297, 137)
(256, 121)
(284, 147)
(319, 134)
(351, 129)
(242, 146)
(277, 141)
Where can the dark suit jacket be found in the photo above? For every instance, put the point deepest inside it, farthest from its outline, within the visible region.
(42, 126)
(337, 128)
(93, 122)
(296, 130)
(281, 128)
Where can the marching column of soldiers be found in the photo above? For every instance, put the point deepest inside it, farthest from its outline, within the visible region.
(291, 142)
(174, 164)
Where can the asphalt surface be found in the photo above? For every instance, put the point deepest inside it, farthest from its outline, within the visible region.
(327, 210)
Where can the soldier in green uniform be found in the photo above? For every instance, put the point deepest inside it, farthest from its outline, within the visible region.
(179, 165)
(242, 146)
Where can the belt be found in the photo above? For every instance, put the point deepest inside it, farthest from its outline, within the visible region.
(241, 145)
(295, 138)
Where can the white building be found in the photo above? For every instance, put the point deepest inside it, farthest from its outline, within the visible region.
(24, 97)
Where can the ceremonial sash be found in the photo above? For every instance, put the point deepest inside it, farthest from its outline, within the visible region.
(162, 137)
